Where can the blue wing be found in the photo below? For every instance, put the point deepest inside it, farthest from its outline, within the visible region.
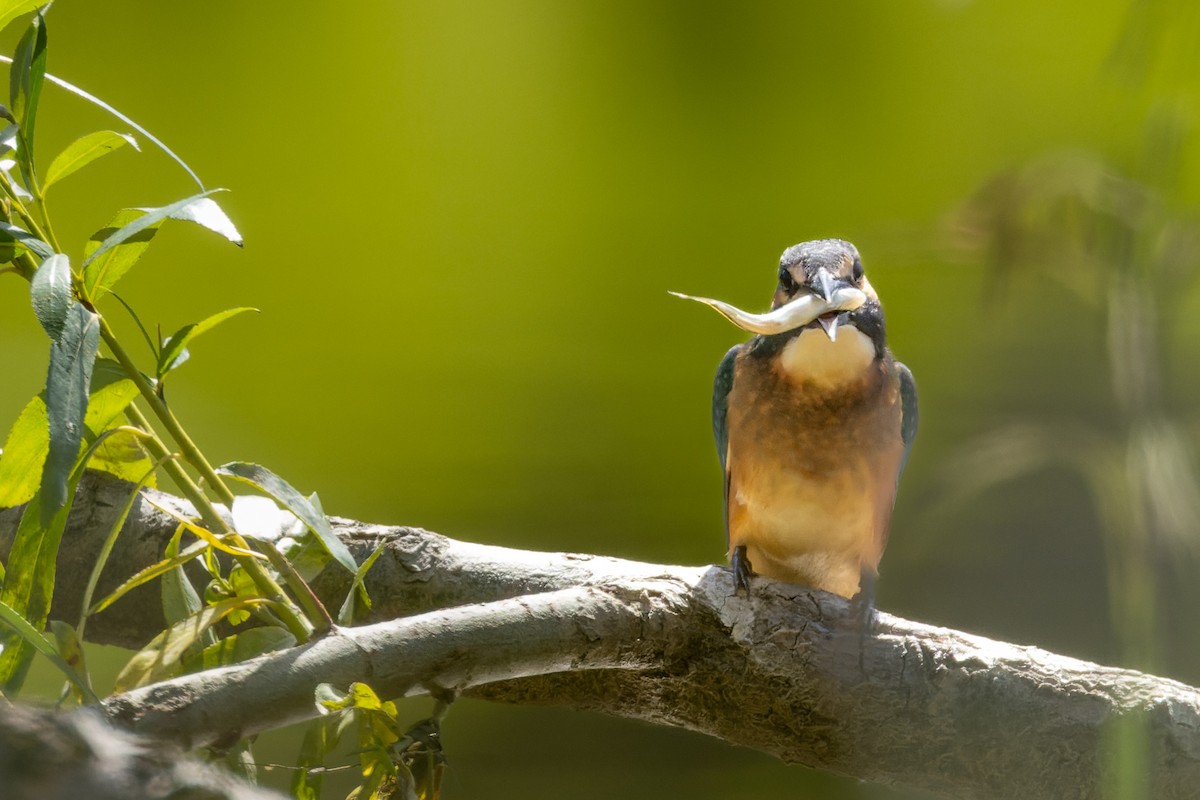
(720, 412)
(908, 412)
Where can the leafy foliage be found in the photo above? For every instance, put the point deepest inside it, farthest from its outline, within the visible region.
(108, 413)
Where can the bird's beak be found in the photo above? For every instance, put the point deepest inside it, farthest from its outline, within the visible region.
(823, 284)
(830, 322)
(796, 314)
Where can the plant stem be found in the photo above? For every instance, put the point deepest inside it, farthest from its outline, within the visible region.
(213, 520)
(186, 446)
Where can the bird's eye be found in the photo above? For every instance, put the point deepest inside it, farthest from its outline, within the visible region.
(786, 282)
(857, 271)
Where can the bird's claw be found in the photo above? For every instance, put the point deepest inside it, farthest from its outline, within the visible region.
(741, 570)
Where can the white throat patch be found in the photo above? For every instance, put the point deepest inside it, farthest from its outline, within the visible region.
(812, 357)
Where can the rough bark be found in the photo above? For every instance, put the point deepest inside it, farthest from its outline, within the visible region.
(786, 670)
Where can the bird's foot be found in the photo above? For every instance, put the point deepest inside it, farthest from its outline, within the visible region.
(741, 570)
(862, 612)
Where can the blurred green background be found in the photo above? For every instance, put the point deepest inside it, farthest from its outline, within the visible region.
(462, 220)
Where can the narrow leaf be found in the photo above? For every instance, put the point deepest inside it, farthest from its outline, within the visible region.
(143, 222)
(24, 454)
(204, 533)
(147, 574)
(283, 493)
(207, 213)
(174, 350)
(75, 90)
(241, 647)
(101, 272)
(357, 596)
(11, 9)
(161, 657)
(69, 646)
(179, 598)
(71, 361)
(34, 639)
(29, 585)
(14, 237)
(50, 290)
(84, 151)
(25, 90)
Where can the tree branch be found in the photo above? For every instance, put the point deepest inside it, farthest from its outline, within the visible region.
(784, 671)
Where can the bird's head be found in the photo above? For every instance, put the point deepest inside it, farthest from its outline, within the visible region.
(820, 268)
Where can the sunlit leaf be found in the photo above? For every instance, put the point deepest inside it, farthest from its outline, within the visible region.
(11, 9)
(16, 241)
(82, 152)
(357, 600)
(50, 291)
(329, 698)
(25, 89)
(241, 647)
(149, 573)
(102, 272)
(123, 456)
(71, 359)
(179, 597)
(161, 657)
(29, 584)
(205, 534)
(24, 454)
(150, 217)
(207, 213)
(263, 479)
(174, 350)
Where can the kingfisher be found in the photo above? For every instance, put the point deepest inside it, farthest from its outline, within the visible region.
(813, 419)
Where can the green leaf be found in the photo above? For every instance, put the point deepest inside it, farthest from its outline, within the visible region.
(51, 293)
(241, 647)
(35, 640)
(71, 361)
(122, 456)
(69, 646)
(84, 151)
(24, 454)
(179, 598)
(19, 241)
(357, 601)
(25, 89)
(207, 213)
(29, 585)
(29, 438)
(101, 272)
(152, 216)
(283, 493)
(161, 657)
(174, 350)
(149, 573)
(11, 9)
